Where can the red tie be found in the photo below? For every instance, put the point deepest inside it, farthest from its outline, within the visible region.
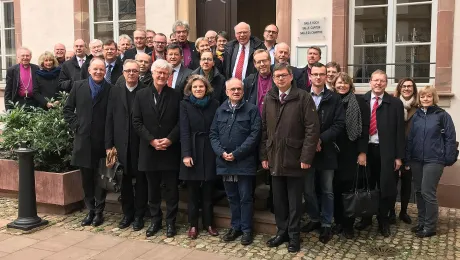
(373, 126)
(170, 79)
(239, 65)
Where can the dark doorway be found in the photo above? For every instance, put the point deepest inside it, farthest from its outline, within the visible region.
(223, 15)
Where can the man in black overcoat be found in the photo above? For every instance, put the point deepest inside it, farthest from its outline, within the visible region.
(71, 69)
(156, 121)
(85, 111)
(119, 133)
(386, 147)
(113, 64)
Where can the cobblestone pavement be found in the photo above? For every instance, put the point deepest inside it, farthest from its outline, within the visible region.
(367, 245)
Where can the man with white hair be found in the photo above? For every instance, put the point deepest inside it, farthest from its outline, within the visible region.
(140, 45)
(182, 29)
(95, 47)
(20, 79)
(124, 44)
(211, 37)
(156, 121)
(238, 59)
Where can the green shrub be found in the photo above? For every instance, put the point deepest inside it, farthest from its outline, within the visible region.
(45, 131)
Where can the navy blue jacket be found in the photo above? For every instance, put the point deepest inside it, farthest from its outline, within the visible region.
(238, 132)
(432, 137)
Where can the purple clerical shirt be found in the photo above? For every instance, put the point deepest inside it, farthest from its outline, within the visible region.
(263, 86)
(187, 53)
(25, 81)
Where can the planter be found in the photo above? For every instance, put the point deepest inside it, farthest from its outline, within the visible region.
(57, 193)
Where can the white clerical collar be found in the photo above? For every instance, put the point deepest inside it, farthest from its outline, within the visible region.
(131, 89)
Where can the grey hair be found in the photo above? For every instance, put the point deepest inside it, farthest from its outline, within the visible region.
(95, 42)
(24, 49)
(182, 24)
(124, 36)
(289, 48)
(231, 80)
(130, 61)
(150, 58)
(161, 64)
(242, 23)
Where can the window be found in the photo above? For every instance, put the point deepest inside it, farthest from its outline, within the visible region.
(7, 38)
(111, 18)
(396, 36)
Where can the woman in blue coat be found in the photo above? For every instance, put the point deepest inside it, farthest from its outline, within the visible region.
(431, 146)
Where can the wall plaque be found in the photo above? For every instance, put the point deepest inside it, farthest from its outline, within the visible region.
(312, 29)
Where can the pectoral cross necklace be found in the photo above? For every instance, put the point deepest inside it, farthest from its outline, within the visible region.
(28, 83)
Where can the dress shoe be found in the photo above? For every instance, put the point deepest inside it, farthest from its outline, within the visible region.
(404, 217)
(276, 241)
(192, 233)
(171, 230)
(88, 219)
(246, 239)
(311, 226)
(138, 223)
(213, 231)
(325, 235)
(349, 233)
(416, 229)
(425, 233)
(125, 222)
(363, 224)
(98, 220)
(392, 219)
(294, 245)
(384, 229)
(231, 235)
(337, 229)
(153, 229)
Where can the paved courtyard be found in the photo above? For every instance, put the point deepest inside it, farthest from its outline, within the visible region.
(64, 238)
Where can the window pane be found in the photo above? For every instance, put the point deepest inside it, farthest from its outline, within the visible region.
(127, 28)
(413, 23)
(10, 44)
(370, 2)
(370, 25)
(414, 62)
(127, 10)
(10, 61)
(103, 32)
(103, 10)
(412, 1)
(8, 15)
(367, 60)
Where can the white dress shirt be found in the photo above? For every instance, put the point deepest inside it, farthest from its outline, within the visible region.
(374, 139)
(246, 60)
(176, 73)
(81, 61)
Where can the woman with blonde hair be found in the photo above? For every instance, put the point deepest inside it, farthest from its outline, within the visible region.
(47, 80)
(431, 146)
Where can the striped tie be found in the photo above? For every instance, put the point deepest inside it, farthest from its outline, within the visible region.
(373, 126)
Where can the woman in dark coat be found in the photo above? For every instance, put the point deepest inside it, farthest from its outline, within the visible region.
(353, 148)
(211, 73)
(47, 80)
(431, 145)
(201, 45)
(406, 91)
(198, 170)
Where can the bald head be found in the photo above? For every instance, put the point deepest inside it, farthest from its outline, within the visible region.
(59, 52)
(145, 61)
(242, 33)
(282, 53)
(79, 47)
(69, 54)
(211, 36)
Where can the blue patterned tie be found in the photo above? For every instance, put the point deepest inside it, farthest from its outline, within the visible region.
(108, 73)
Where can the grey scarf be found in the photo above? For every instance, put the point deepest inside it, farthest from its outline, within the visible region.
(353, 118)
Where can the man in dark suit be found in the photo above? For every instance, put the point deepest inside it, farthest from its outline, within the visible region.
(71, 69)
(140, 45)
(237, 63)
(386, 147)
(270, 36)
(156, 121)
(178, 78)
(85, 111)
(145, 62)
(20, 79)
(181, 29)
(113, 65)
(303, 75)
(119, 133)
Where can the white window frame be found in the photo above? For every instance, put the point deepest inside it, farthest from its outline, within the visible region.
(115, 22)
(3, 54)
(391, 38)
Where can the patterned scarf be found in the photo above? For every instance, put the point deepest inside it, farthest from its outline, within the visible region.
(407, 105)
(353, 118)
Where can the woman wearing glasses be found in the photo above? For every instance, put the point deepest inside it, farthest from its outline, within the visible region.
(202, 45)
(208, 69)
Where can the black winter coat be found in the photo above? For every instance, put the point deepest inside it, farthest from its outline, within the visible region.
(131, 53)
(117, 71)
(349, 150)
(12, 83)
(231, 53)
(46, 88)
(390, 129)
(195, 123)
(238, 132)
(432, 137)
(331, 117)
(153, 121)
(217, 83)
(195, 63)
(70, 72)
(86, 118)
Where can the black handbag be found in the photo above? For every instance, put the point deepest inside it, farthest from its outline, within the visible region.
(110, 178)
(361, 202)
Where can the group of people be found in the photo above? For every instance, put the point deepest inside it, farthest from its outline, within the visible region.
(220, 110)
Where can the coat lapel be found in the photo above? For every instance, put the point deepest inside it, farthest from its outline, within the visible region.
(179, 76)
(123, 99)
(164, 101)
(105, 87)
(152, 99)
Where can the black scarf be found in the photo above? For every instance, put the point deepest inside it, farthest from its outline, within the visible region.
(49, 74)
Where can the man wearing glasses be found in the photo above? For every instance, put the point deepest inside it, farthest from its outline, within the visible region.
(211, 36)
(181, 29)
(145, 62)
(332, 120)
(159, 47)
(119, 133)
(113, 64)
(270, 36)
(140, 43)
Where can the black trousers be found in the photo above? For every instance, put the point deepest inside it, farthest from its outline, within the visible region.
(200, 192)
(171, 193)
(134, 196)
(287, 201)
(94, 195)
(341, 186)
(374, 168)
(406, 188)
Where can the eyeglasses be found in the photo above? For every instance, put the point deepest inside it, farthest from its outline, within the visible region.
(281, 76)
(379, 80)
(159, 43)
(269, 31)
(317, 75)
(261, 61)
(180, 32)
(143, 61)
(131, 71)
(236, 89)
(109, 49)
(407, 86)
(139, 38)
(206, 59)
(161, 73)
(242, 33)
